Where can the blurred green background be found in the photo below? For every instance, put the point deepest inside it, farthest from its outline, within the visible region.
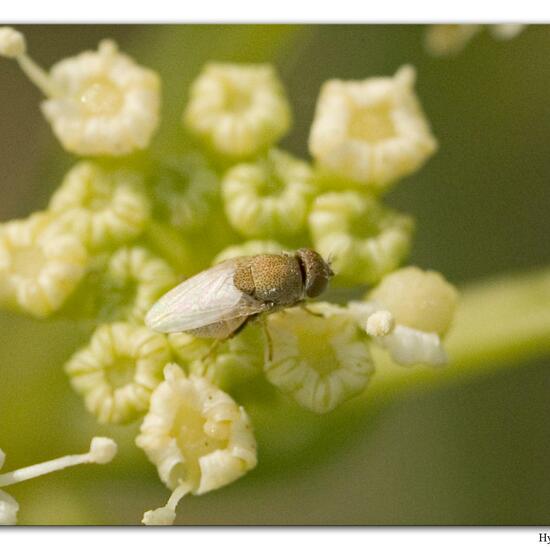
(471, 452)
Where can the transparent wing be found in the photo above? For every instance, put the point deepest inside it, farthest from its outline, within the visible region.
(206, 298)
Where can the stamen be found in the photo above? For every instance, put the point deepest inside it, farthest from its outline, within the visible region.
(102, 450)
(38, 76)
(167, 514)
(12, 45)
(380, 323)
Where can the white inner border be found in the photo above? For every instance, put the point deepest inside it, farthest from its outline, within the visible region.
(279, 11)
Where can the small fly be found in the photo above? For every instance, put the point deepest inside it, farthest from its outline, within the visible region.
(219, 301)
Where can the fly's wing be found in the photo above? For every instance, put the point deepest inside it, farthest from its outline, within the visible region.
(206, 298)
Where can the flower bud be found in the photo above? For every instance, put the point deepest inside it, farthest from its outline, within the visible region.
(364, 239)
(270, 198)
(12, 42)
(238, 110)
(418, 299)
(103, 207)
(41, 264)
(118, 370)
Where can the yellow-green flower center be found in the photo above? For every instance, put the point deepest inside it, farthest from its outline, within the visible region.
(121, 372)
(101, 98)
(314, 343)
(193, 440)
(372, 124)
(236, 100)
(366, 224)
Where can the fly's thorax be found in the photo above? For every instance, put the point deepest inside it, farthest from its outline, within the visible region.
(316, 272)
(275, 278)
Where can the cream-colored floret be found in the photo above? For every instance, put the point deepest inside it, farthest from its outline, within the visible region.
(139, 278)
(103, 207)
(239, 110)
(320, 360)
(269, 198)
(364, 239)
(407, 346)
(106, 105)
(372, 131)
(98, 102)
(418, 299)
(118, 370)
(40, 264)
(197, 436)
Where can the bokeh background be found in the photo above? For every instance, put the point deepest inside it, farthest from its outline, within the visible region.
(474, 451)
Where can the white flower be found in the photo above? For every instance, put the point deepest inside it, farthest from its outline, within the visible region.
(98, 102)
(40, 264)
(319, 356)
(406, 345)
(117, 372)
(102, 450)
(104, 207)
(198, 438)
(237, 109)
(407, 313)
(419, 299)
(270, 197)
(132, 282)
(365, 239)
(372, 131)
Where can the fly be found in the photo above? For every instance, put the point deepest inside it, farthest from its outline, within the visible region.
(218, 302)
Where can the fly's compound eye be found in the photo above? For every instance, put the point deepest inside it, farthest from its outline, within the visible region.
(315, 270)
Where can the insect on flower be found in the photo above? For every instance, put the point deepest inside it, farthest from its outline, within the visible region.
(218, 302)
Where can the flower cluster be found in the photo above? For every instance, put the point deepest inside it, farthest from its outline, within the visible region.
(120, 232)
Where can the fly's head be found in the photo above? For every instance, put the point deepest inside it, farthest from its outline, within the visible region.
(317, 272)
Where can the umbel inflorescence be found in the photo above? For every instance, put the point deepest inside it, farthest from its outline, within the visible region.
(119, 232)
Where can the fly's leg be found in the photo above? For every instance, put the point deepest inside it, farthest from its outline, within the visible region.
(310, 311)
(269, 341)
(210, 353)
